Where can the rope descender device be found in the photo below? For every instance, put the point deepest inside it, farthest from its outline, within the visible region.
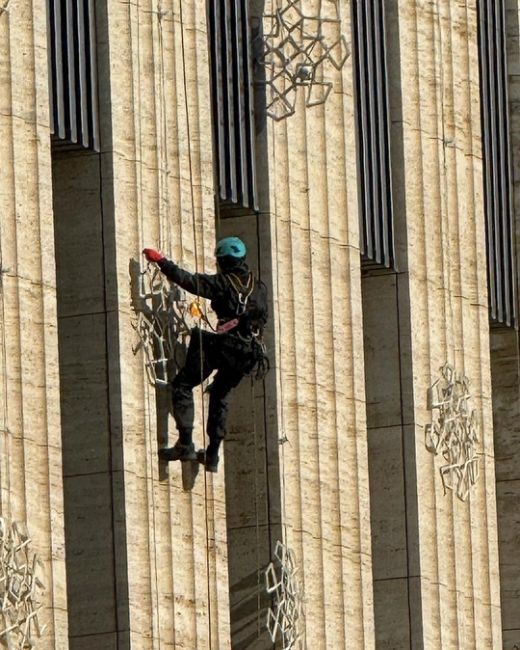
(195, 309)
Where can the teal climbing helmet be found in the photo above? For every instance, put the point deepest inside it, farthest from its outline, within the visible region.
(230, 247)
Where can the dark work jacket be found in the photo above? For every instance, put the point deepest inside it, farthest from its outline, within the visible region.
(224, 299)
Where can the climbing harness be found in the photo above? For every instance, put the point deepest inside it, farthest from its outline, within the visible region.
(243, 291)
(260, 361)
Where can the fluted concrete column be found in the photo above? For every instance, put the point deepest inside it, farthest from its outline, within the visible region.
(313, 227)
(452, 553)
(30, 469)
(161, 158)
(154, 553)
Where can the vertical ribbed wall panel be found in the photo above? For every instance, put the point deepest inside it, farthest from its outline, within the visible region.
(73, 72)
(232, 99)
(164, 197)
(373, 132)
(314, 230)
(497, 162)
(454, 550)
(30, 444)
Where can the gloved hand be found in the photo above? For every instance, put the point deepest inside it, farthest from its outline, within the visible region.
(152, 255)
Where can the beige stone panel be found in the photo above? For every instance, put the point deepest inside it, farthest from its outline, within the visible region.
(325, 506)
(164, 197)
(476, 335)
(410, 31)
(12, 466)
(346, 311)
(457, 204)
(307, 462)
(32, 487)
(425, 241)
(327, 199)
(446, 324)
(132, 166)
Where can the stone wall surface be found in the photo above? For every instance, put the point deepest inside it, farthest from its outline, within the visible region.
(163, 192)
(147, 564)
(505, 351)
(30, 453)
(314, 233)
(454, 551)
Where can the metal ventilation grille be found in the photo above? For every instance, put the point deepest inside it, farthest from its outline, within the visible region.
(72, 72)
(373, 133)
(233, 102)
(498, 191)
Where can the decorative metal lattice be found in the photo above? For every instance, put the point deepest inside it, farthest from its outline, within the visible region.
(295, 49)
(161, 323)
(20, 589)
(453, 431)
(285, 616)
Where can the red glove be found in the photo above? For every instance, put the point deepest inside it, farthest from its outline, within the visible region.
(152, 255)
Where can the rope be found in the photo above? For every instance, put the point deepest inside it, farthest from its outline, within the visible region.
(195, 243)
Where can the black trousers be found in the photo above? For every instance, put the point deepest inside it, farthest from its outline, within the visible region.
(232, 358)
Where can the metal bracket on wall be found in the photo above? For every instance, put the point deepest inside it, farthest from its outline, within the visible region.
(453, 431)
(285, 616)
(161, 323)
(20, 588)
(294, 49)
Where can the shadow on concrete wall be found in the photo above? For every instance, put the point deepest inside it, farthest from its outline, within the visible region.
(173, 330)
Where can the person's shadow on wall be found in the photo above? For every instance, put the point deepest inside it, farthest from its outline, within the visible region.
(161, 340)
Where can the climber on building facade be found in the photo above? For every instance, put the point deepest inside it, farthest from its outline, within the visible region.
(234, 349)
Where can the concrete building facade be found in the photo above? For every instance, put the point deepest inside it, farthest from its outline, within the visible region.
(381, 446)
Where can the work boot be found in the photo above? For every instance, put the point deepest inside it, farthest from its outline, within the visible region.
(178, 452)
(210, 462)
